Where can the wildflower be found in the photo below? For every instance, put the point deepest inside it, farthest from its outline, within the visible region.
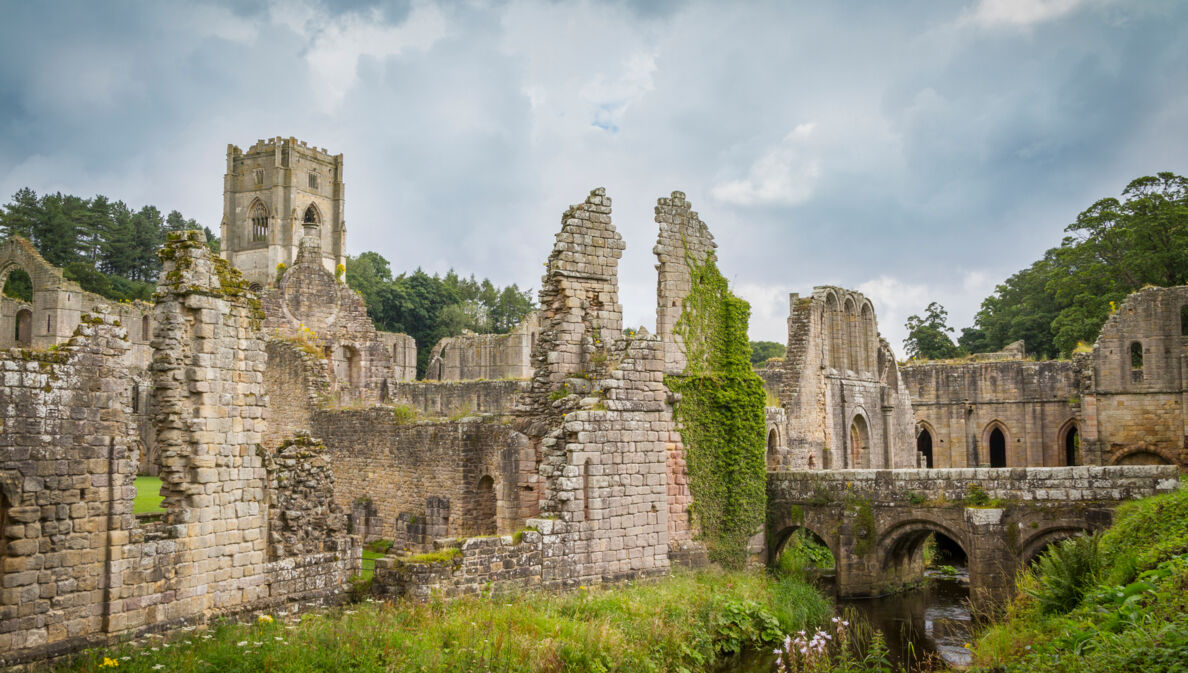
(242, 643)
(264, 619)
(158, 667)
(109, 663)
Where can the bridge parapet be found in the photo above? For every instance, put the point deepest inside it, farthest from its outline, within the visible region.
(1015, 484)
(876, 521)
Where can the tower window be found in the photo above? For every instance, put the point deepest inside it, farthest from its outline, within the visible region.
(1136, 356)
(313, 180)
(259, 222)
(259, 176)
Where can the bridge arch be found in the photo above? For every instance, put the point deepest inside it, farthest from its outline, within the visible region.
(1039, 542)
(780, 540)
(900, 548)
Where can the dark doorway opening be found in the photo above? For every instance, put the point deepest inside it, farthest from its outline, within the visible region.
(997, 448)
(1072, 443)
(924, 446)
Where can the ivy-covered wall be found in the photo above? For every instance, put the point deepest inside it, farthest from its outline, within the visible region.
(721, 416)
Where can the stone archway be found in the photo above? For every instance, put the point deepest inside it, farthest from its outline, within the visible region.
(23, 327)
(485, 506)
(900, 549)
(1037, 544)
(1070, 442)
(773, 445)
(996, 439)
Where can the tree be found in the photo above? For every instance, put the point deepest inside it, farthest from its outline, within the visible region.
(762, 351)
(927, 338)
(22, 215)
(1114, 247)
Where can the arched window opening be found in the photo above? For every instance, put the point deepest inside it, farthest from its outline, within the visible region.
(353, 367)
(924, 447)
(859, 444)
(773, 458)
(19, 285)
(1136, 355)
(24, 327)
(145, 329)
(485, 506)
(311, 220)
(259, 217)
(135, 398)
(997, 448)
(1072, 446)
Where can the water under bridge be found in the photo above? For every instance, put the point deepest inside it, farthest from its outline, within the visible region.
(876, 521)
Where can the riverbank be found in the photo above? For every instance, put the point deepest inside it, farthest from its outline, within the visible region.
(685, 622)
(1108, 604)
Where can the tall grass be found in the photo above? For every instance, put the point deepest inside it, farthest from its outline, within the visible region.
(681, 623)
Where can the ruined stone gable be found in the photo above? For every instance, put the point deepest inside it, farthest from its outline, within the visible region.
(684, 239)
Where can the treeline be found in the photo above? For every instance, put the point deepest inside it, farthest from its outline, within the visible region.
(1114, 247)
(429, 308)
(103, 245)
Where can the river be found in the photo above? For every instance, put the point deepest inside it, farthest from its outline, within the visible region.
(932, 621)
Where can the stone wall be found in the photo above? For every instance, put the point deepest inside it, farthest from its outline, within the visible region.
(472, 356)
(1123, 402)
(397, 467)
(1021, 484)
(454, 398)
(494, 565)
(958, 408)
(839, 385)
(79, 568)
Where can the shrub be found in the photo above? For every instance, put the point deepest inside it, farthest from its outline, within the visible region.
(1064, 573)
(404, 414)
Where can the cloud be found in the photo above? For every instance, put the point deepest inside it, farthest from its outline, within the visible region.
(784, 175)
(1021, 13)
(610, 100)
(337, 44)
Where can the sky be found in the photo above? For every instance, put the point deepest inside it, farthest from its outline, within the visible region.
(916, 151)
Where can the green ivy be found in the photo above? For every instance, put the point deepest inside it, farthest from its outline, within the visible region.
(721, 417)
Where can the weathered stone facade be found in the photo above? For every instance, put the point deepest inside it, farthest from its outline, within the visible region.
(78, 567)
(1121, 403)
(839, 386)
(275, 194)
(684, 239)
(316, 310)
(472, 356)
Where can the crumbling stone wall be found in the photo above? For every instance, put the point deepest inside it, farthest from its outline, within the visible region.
(496, 565)
(839, 385)
(79, 568)
(485, 356)
(683, 238)
(297, 379)
(317, 310)
(301, 519)
(1135, 409)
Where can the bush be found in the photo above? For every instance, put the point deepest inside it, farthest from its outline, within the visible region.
(1063, 574)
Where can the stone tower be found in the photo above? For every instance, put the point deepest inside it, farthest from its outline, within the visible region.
(276, 192)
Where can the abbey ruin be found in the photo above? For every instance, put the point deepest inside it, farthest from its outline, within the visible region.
(260, 392)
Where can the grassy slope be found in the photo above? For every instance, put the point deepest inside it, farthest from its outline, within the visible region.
(1133, 615)
(674, 624)
(148, 496)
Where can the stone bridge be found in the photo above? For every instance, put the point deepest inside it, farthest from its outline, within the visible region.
(876, 521)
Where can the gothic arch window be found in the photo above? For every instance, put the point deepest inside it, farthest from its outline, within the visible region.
(311, 216)
(996, 442)
(145, 329)
(259, 218)
(859, 443)
(1071, 443)
(486, 505)
(924, 446)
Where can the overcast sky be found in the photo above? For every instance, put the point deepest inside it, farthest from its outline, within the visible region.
(915, 151)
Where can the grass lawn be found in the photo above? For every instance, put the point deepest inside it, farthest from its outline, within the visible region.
(148, 496)
(369, 558)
